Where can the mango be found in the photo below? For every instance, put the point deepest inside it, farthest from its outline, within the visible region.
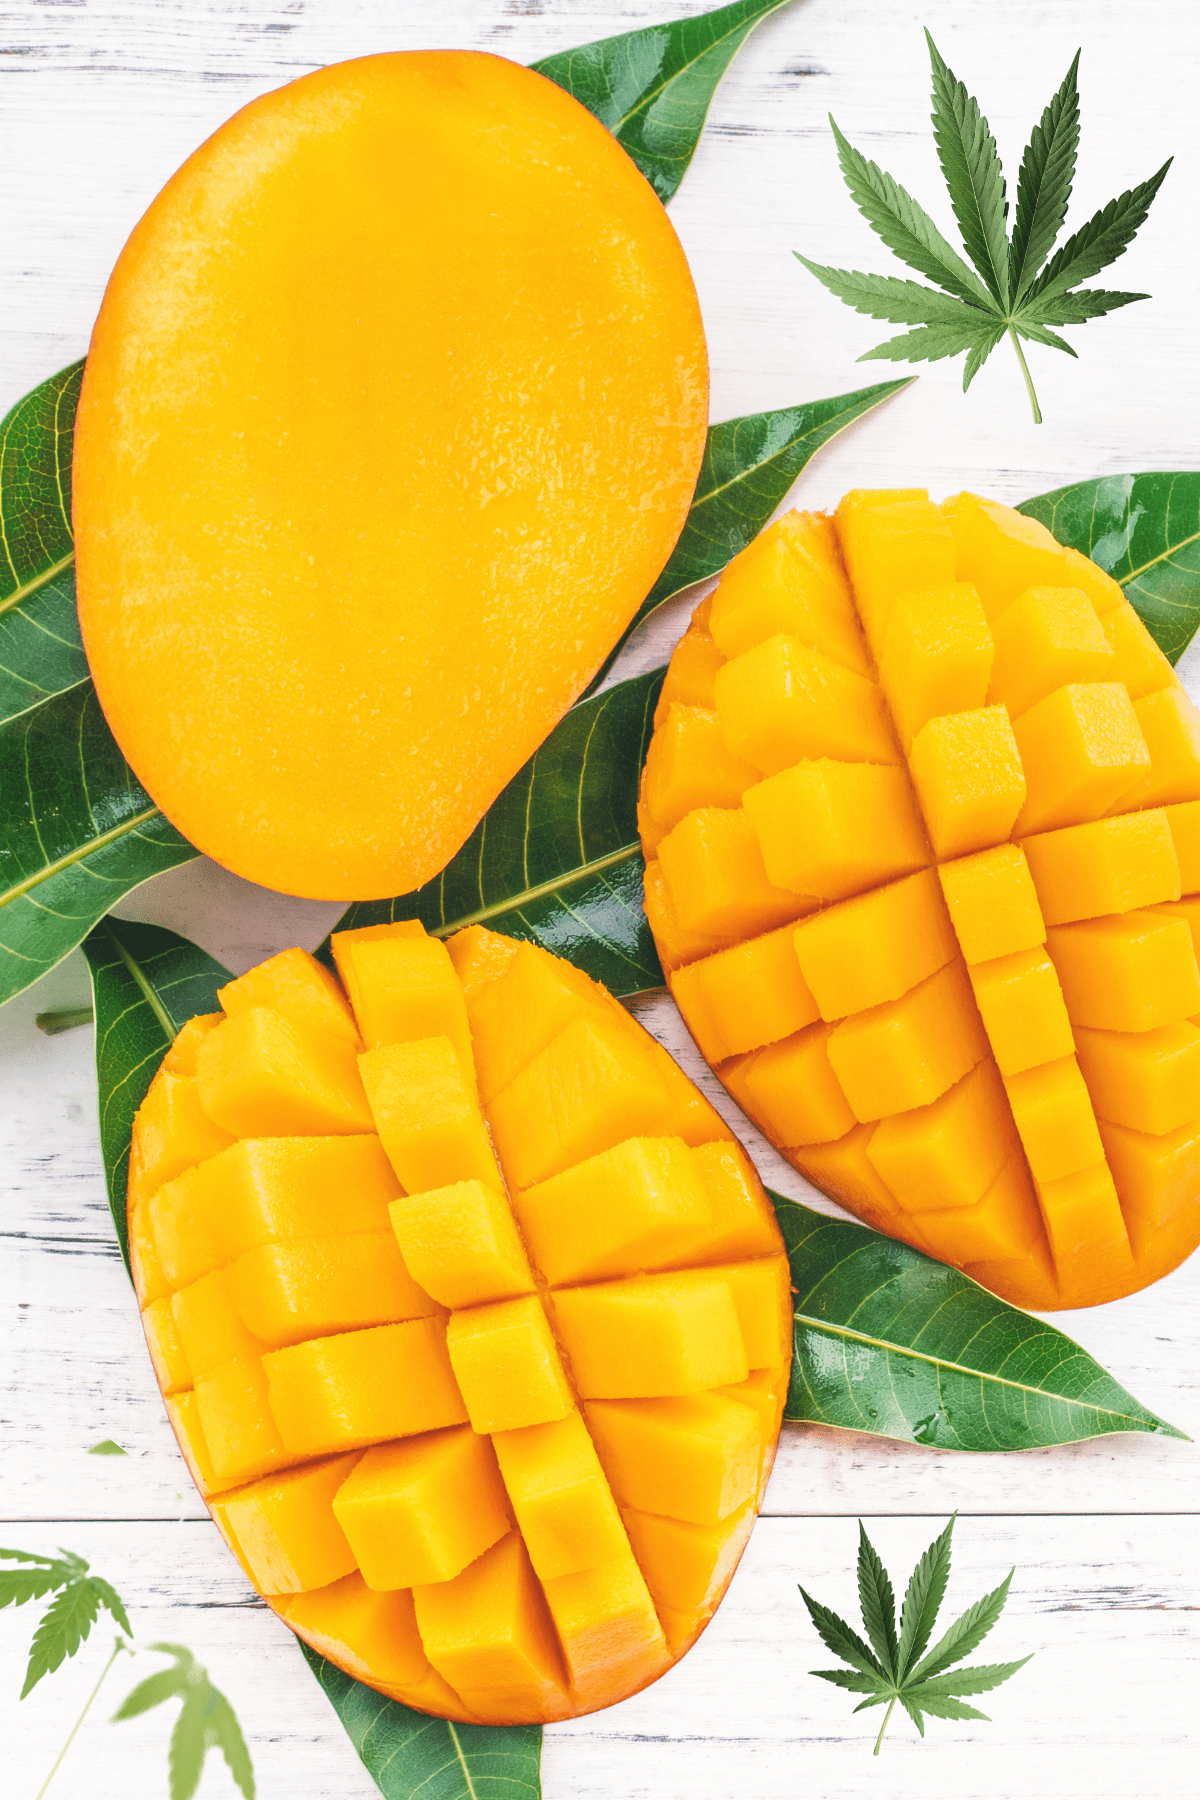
(970, 1009)
(416, 312)
(481, 1376)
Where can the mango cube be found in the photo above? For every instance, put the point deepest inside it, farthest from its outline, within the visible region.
(210, 1326)
(651, 1335)
(1081, 1213)
(240, 1430)
(557, 1488)
(265, 1190)
(422, 1509)
(640, 1205)
(783, 702)
(1170, 725)
(403, 987)
(844, 1169)
(149, 1282)
(1003, 553)
(181, 1057)
(967, 772)
(830, 829)
(516, 1014)
(1004, 1226)
(608, 1628)
(1183, 822)
(184, 1246)
(1129, 973)
(691, 673)
(427, 1115)
(590, 1088)
(262, 1075)
(166, 1351)
(487, 1632)
(691, 763)
(1104, 593)
(742, 998)
(1023, 1010)
(950, 1152)
(295, 985)
(363, 1387)
(479, 957)
(993, 903)
(373, 1636)
(1054, 1116)
(717, 876)
(687, 1566)
(1107, 866)
(889, 548)
(184, 1416)
(286, 1529)
(1047, 638)
(314, 1287)
(936, 657)
(1137, 660)
(694, 1457)
(875, 947)
(761, 1290)
(908, 1052)
(789, 579)
(1156, 1177)
(1148, 1080)
(791, 1091)
(507, 1365)
(1082, 750)
(461, 1244)
(174, 1131)
(743, 1223)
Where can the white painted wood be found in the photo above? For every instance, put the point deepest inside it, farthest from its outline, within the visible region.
(99, 101)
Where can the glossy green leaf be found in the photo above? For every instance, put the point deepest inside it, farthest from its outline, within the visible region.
(653, 87)
(40, 649)
(749, 465)
(1144, 531)
(889, 1341)
(408, 1753)
(146, 983)
(77, 831)
(557, 857)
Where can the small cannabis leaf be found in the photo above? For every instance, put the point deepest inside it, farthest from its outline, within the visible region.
(66, 1622)
(894, 1668)
(206, 1721)
(1016, 292)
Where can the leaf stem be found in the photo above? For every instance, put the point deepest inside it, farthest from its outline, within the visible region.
(1033, 399)
(118, 1646)
(887, 1715)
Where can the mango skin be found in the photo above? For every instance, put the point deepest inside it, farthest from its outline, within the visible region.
(400, 358)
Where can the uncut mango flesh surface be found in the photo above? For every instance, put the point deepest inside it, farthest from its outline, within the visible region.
(401, 356)
(921, 817)
(472, 1319)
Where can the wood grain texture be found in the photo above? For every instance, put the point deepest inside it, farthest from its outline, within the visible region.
(99, 102)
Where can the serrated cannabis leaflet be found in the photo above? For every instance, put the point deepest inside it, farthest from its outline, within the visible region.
(1017, 292)
(896, 1667)
(206, 1719)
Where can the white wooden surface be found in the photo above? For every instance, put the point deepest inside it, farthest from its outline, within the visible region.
(99, 101)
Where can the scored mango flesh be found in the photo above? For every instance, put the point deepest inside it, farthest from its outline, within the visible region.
(921, 817)
(472, 1318)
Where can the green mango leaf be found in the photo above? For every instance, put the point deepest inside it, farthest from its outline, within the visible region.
(653, 88)
(408, 1753)
(77, 831)
(749, 465)
(146, 983)
(556, 858)
(40, 649)
(1144, 531)
(890, 1342)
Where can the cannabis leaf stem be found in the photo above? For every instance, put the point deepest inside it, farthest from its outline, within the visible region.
(896, 1668)
(1012, 291)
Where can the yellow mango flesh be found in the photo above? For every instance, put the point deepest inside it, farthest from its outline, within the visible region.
(482, 1383)
(417, 313)
(971, 1012)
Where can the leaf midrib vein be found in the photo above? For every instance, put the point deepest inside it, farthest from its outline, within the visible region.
(512, 902)
(1164, 556)
(647, 99)
(35, 582)
(75, 856)
(942, 1362)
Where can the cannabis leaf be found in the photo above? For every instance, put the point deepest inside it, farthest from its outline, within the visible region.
(1012, 290)
(206, 1722)
(891, 1668)
(66, 1622)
